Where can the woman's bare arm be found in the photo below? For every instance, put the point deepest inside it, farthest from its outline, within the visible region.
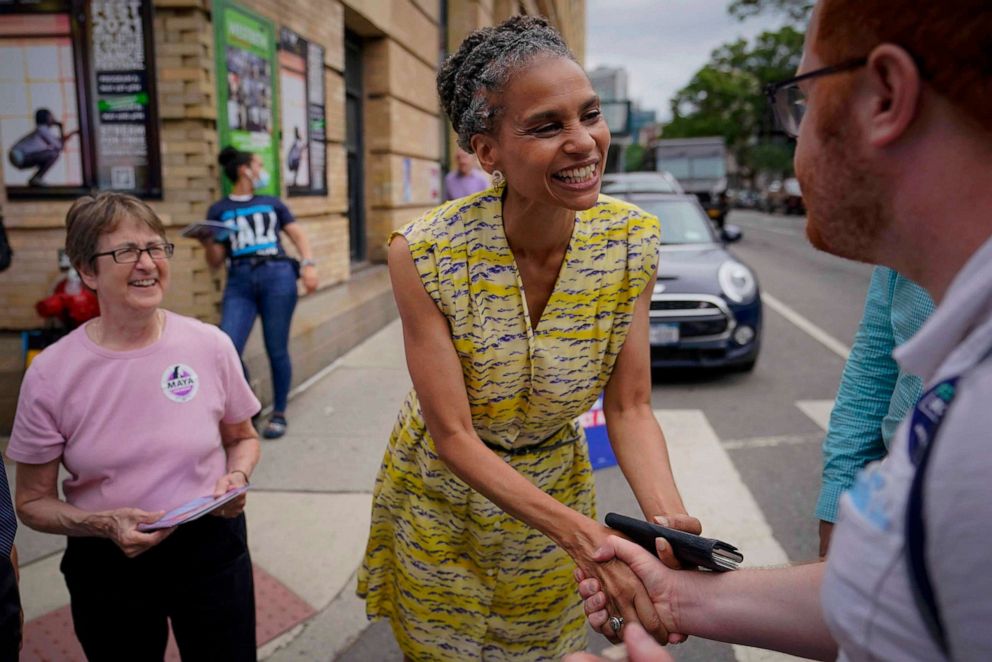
(39, 507)
(635, 435)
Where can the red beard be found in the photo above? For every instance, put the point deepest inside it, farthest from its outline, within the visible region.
(843, 193)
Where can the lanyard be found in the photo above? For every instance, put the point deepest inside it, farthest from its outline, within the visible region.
(927, 416)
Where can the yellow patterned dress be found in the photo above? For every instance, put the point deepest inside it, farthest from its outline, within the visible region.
(458, 578)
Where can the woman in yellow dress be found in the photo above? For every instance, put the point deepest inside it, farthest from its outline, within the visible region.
(520, 305)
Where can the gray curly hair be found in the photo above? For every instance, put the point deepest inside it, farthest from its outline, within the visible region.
(472, 77)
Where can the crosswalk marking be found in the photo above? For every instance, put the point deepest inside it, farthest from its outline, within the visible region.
(768, 442)
(712, 489)
(714, 492)
(818, 410)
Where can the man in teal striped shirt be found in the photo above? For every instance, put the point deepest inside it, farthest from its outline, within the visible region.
(874, 395)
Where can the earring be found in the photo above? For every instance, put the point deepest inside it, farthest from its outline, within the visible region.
(498, 178)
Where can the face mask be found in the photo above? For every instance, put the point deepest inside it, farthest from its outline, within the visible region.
(261, 181)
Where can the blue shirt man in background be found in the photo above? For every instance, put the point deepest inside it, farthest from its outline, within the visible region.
(874, 395)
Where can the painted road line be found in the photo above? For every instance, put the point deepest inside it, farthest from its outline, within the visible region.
(777, 230)
(815, 332)
(818, 410)
(794, 227)
(714, 492)
(772, 441)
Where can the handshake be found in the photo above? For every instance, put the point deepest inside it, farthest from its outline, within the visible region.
(652, 617)
(649, 600)
(677, 544)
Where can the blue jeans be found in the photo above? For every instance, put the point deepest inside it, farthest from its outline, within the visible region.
(267, 289)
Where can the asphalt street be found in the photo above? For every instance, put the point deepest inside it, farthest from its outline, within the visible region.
(773, 444)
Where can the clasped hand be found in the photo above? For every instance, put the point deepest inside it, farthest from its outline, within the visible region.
(235, 506)
(614, 586)
(121, 526)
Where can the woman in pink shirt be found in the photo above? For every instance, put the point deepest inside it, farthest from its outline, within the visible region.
(146, 410)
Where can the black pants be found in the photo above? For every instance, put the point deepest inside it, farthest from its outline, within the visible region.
(10, 612)
(199, 578)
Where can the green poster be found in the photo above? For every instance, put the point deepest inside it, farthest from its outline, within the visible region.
(247, 113)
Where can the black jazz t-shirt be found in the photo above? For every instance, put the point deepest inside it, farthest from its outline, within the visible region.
(254, 225)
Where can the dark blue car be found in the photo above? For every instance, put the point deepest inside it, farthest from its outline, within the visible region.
(706, 305)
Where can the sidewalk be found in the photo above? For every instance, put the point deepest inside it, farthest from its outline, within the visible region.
(308, 516)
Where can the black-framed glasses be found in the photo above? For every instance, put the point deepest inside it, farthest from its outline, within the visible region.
(788, 100)
(132, 254)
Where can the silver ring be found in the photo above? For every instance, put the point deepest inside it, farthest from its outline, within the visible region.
(616, 622)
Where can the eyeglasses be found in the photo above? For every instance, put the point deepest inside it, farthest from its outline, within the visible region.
(130, 255)
(788, 100)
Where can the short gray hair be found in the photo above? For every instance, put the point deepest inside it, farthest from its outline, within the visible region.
(91, 217)
(470, 79)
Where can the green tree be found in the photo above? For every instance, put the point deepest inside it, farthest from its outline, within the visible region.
(767, 156)
(796, 11)
(634, 158)
(726, 98)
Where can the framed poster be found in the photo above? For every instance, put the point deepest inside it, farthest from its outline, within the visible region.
(77, 98)
(42, 102)
(125, 119)
(301, 94)
(316, 113)
(247, 115)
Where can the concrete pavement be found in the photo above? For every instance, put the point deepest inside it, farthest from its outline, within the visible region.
(338, 432)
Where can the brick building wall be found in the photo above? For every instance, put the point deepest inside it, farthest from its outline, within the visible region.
(406, 147)
(187, 105)
(401, 49)
(324, 218)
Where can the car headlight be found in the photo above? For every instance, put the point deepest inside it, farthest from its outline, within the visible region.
(737, 282)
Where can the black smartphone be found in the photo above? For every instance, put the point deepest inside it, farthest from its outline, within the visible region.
(690, 549)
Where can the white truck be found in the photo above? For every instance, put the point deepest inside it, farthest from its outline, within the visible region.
(701, 166)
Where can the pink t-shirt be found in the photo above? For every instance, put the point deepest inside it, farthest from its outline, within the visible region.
(134, 429)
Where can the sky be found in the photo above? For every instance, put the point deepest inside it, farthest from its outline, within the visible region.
(662, 43)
